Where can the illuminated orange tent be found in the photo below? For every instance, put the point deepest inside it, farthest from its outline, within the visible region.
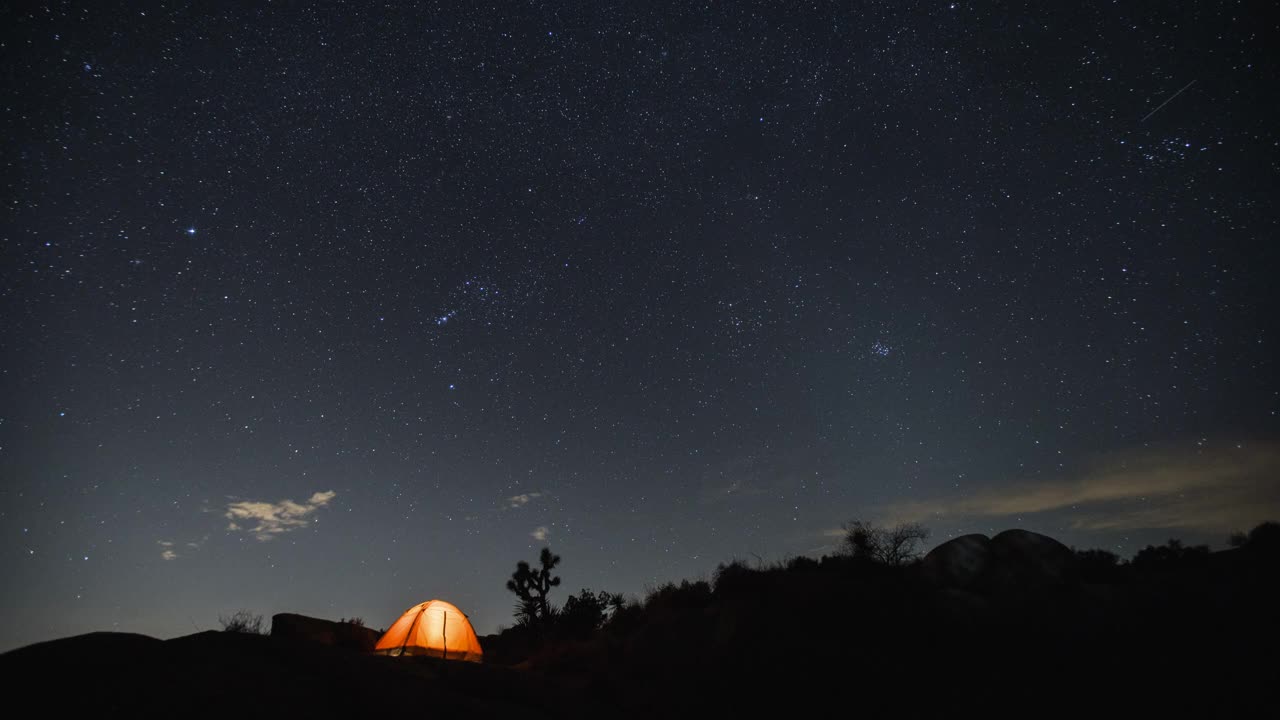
(433, 628)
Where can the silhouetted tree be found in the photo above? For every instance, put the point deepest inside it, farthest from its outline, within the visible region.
(897, 545)
(685, 596)
(802, 563)
(532, 587)
(585, 612)
(1263, 538)
(243, 621)
(1267, 533)
(1097, 565)
(1172, 554)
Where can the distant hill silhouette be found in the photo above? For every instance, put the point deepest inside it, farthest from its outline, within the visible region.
(225, 674)
(1016, 624)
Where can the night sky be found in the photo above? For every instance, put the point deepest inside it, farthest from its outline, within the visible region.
(337, 309)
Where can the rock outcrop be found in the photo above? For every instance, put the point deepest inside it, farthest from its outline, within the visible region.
(958, 562)
(300, 628)
(1014, 561)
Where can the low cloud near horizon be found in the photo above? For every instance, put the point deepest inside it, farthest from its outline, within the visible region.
(271, 519)
(1220, 489)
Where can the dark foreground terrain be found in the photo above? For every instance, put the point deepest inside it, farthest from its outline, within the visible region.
(1012, 625)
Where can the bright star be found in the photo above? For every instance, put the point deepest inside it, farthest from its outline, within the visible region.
(191, 231)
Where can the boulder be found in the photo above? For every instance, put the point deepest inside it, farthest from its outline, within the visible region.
(959, 562)
(1032, 559)
(300, 628)
(1013, 562)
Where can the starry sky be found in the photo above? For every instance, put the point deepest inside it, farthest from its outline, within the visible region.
(335, 308)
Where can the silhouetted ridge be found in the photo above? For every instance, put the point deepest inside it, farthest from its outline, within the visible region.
(1015, 624)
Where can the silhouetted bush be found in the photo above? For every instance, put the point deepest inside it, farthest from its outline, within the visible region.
(893, 546)
(1098, 566)
(625, 615)
(243, 621)
(1264, 538)
(685, 596)
(733, 578)
(584, 613)
(802, 563)
(1170, 556)
(352, 634)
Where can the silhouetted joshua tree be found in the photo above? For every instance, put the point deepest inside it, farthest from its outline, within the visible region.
(532, 587)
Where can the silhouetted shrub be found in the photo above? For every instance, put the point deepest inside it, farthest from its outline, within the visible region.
(685, 596)
(1264, 538)
(1098, 566)
(585, 612)
(625, 615)
(353, 634)
(1170, 556)
(802, 563)
(893, 546)
(243, 621)
(733, 578)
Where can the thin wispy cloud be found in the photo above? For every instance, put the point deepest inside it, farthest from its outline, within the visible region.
(540, 533)
(830, 540)
(1218, 490)
(522, 499)
(265, 520)
(167, 553)
(741, 478)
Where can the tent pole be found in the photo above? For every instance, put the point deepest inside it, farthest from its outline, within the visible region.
(444, 634)
(409, 634)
